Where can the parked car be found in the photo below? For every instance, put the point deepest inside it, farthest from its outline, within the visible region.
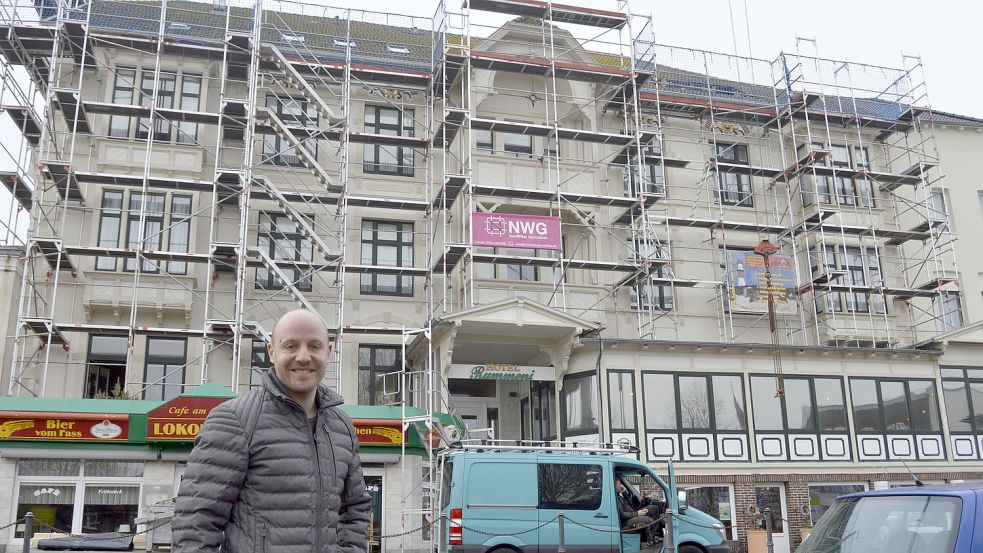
(505, 499)
(916, 519)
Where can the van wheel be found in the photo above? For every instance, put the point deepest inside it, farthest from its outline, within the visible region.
(689, 548)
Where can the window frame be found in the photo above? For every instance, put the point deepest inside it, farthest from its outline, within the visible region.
(277, 151)
(133, 224)
(301, 243)
(108, 263)
(565, 427)
(662, 296)
(374, 369)
(481, 145)
(259, 363)
(405, 156)
(168, 363)
(513, 147)
(178, 221)
(837, 257)
(369, 282)
(738, 185)
(106, 360)
(629, 404)
(883, 430)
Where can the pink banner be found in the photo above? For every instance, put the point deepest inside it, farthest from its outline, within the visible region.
(504, 230)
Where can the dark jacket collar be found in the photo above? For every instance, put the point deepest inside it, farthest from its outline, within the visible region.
(326, 397)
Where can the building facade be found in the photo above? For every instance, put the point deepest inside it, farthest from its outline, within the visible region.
(554, 228)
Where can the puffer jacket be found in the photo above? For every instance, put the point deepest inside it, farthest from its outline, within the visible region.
(278, 488)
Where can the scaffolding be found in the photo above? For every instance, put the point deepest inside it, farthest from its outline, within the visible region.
(192, 170)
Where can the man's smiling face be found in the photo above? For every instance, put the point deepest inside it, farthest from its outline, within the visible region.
(299, 352)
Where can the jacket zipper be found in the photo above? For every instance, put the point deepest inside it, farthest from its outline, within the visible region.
(317, 478)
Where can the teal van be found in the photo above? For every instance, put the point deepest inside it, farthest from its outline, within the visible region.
(505, 499)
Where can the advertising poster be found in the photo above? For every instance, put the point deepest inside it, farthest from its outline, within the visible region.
(506, 230)
(747, 286)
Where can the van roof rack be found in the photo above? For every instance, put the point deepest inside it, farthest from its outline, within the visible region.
(534, 446)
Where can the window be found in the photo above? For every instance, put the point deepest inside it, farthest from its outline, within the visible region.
(543, 410)
(815, 187)
(259, 363)
(294, 113)
(342, 43)
(861, 268)
(691, 402)
(387, 244)
(164, 376)
(822, 496)
(950, 310)
(979, 197)
(963, 392)
(388, 160)
(392, 49)
(281, 239)
(187, 132)
(177, 228)
(105, 366)
(652, 181)
(518, 144)
(570, 486)
(864, 186)
(123, 85)
(845, 192)
(517, 271)
(894, 406)
(551, 148)
(105, 494)
(716, 501)
(179, 233)
(165, 99)
(939, 214)
(733, 188)
(484, 140)
(649, 293)
(153, 227)
(579, 404)
(840, 190)
(621, 400)
(810, 404)
(110, 217)
(374, 363)
(659, 392)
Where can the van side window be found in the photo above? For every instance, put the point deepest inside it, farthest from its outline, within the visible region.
(570, 486)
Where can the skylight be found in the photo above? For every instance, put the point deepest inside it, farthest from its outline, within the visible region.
(397, 49)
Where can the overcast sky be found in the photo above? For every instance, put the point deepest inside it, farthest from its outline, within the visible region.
(945, 33)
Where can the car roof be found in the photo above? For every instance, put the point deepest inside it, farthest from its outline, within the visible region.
(962, 490)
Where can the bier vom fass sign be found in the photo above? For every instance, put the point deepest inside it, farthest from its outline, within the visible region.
(501, 371)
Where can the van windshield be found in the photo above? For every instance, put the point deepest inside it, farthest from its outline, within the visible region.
(887, 524)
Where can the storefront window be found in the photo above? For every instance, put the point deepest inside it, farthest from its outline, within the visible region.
(580, 407)
(821, 497)
(113, 469)
(52, 505)
(110, 508)
(373, 485)
(716, 502)
(48, 467)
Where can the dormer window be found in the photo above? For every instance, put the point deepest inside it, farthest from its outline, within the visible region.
(292, 39)
(392, 49)
(179, 27)
(343, 44)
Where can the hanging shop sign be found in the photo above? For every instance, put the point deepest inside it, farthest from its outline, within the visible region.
(378, 431)
(63, 426)
(181, 418)
(501, 371)
(748, 287)
(505, 230)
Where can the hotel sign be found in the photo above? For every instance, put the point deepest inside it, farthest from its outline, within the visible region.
(63, 426)
(181, 418)
(505, 230)
(501, 371)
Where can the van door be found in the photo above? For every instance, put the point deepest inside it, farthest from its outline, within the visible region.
(580, 491)
(500, 501)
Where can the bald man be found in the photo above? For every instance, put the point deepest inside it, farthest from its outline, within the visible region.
(277, 470)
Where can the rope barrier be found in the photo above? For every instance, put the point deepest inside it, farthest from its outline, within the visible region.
(117, 536)
(9, 524)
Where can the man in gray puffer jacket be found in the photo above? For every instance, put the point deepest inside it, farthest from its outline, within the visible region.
(277, 470)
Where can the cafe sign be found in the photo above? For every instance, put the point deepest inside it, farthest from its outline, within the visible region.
(378, 431)
(501, 371)
(63, 426)
(181, 418)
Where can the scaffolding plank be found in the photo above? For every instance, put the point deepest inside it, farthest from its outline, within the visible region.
(453, 184)
(55, 254)
(385, 203)
(531, 129)
(898, 237)
(806, 162)
(383, 270)
(530, 65)
(19, 188)
(27, 122)
(68, 104)
(449, 127)
(740, 169)
(450, 258)
(65, 181)
(169, 114)
(550, 196)
(561, 13)
(111, 179)
(419, 143)
(924, 290)
(75, 35)
(44, 327)
(642, 202)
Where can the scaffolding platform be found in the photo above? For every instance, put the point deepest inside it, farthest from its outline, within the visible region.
(551, 196)
(55, 254)
(18, 188)
(45, 327)
(171, 114)
(912, 175)
(924, 290)
(740, 169)
(453, 184)
(559, 13)
(542, 67)
(27, 122)
(563, 133)
(449, 127)
(65, 181)
(74, 112)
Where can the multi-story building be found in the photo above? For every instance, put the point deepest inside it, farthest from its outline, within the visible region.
(547, 227)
